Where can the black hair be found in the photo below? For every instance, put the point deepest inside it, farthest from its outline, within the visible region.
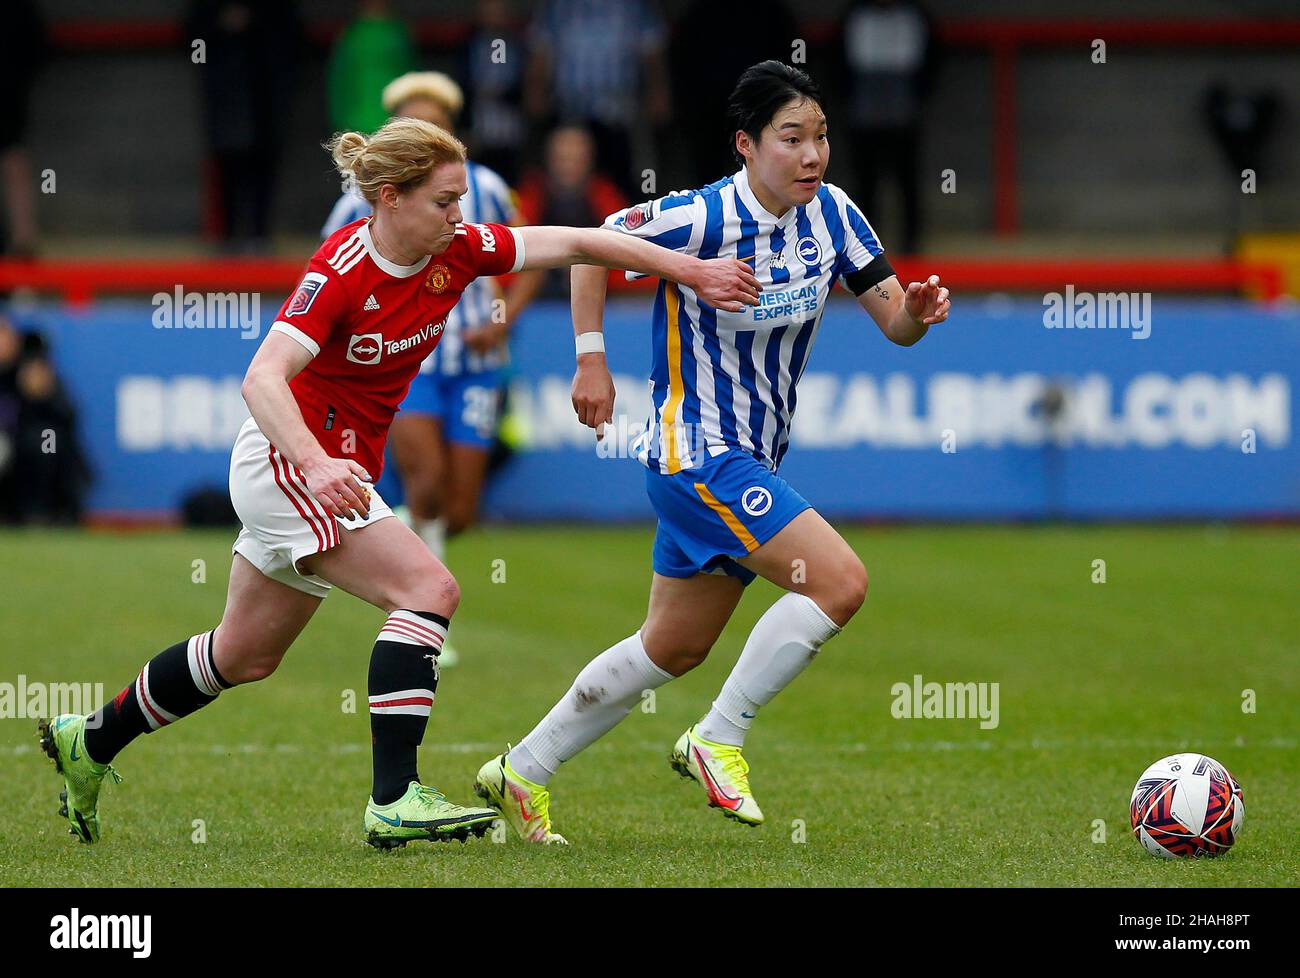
(759, 94)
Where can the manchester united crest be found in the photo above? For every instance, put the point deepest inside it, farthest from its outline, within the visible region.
(439, 278)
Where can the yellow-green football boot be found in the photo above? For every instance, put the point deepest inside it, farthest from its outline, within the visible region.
(63, 741)
(723, 772)
(525, 806)
(422, 813)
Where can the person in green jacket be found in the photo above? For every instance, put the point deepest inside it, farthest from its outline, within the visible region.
(373, 49)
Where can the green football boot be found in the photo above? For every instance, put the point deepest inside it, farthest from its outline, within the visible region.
(422, 813)
(63, 741)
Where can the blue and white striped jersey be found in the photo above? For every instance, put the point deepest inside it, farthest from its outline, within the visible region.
(722, 380)
(489, 201)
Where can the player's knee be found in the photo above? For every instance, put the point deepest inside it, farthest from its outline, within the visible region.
(430, 589)
(244, 661)
(846, 595)
(248, 662)
(674, 653)
(254, 669)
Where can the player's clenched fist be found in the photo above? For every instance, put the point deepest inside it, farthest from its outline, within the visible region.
(726, 283)
(927, 302)
(593, 392)
(334, 482)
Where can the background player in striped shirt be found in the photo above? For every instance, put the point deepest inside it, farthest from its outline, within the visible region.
(443, 434)
(322, 391)
(724, 393)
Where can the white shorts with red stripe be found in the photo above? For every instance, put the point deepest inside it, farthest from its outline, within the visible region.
(282, 522)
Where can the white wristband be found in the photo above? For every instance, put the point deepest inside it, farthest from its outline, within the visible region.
(593, 342)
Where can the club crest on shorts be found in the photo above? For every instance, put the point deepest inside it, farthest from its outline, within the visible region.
(438, 279)
(756, 500)
(302, 299)
(365, 348)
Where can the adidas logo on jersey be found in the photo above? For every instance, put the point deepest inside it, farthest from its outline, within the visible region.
(370, 303)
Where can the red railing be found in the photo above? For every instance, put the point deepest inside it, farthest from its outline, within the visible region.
(80, 281)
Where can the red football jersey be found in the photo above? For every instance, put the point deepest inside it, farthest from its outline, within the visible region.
(369, 324)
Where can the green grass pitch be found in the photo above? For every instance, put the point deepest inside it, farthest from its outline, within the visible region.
(1096, 682)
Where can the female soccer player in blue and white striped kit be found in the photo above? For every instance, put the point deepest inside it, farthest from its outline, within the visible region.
(724, 392)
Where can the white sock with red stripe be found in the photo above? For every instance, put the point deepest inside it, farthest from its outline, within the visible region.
(173, 684)
(602, 695)
(782, 644)
(402, 684)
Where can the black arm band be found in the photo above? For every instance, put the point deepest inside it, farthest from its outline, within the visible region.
(877, 270)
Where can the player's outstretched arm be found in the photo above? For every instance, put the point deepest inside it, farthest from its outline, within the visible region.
(333, 481)
(905, 315)
(721, 282)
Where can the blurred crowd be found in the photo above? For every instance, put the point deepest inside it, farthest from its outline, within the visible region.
(578, 104)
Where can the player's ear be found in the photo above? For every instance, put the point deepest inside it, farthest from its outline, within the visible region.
(388, 196)
(745, 145)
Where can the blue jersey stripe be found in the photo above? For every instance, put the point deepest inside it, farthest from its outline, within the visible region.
(736, 375)
(722, 393)
(780, 274)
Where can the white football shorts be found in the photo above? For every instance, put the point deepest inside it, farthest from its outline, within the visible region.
(282, 522)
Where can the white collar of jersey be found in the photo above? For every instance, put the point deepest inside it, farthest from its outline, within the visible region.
(392, 268)
(746, 192)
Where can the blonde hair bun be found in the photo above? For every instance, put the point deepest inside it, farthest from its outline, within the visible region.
(402, 152)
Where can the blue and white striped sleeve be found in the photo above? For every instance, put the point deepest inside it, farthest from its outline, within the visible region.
(502, 208)
(669, 222)
(862, 262)
(348, 208)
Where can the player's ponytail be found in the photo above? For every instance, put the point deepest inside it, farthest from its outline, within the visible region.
(402, 152)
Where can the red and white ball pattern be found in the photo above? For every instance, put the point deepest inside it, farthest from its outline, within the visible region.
(1187, 805)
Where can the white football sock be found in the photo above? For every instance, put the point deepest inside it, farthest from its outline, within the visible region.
(782, 644)
(434, 535)
(602, 695)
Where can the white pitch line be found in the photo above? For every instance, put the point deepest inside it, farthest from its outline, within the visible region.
(984, 744)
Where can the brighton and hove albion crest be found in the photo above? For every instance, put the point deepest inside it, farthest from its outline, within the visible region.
(438, 279)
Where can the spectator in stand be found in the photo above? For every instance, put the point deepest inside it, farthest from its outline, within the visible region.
(890, 59)
(22, 53)
(767, 30)
(43, 471)
(496, 128)
(11, 348)
(373, 49)
(252, 52)
(570, 192)
(601, 64)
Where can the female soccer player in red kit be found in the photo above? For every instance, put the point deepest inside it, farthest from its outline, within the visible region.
(322, 390)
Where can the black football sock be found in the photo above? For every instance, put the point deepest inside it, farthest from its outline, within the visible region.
(402, 684)
(173, 684)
